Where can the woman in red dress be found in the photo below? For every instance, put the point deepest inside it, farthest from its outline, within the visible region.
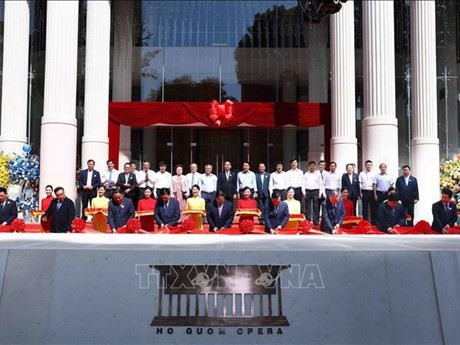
(45, 203)
(147, 204)
(246, 203)
(347, 203)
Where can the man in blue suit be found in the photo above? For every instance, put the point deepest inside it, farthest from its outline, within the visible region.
(62, 211)
(444, 212)
(167, 211)
(391, 214)
(8, 208)
(407, 191)
(262, 180)
(88, 183)
(333, 213)
(276, 214)
(120, 210)
(220, 213)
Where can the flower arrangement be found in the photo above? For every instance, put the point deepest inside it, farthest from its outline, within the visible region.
(305, 226)
(18, 225)
(246, 226)
(450, 178)
(78, 225)
(133, 226)
(4, 171)
(24, 175)
(188, 225)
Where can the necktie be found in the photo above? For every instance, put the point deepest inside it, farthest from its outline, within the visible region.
(126, 178)
(59, 204)
(321, 172)
(228, 174)
(146, 178)
(220, 210)
(193, 179)
(110, 178)
(276, 210)
(446, 210)
(351, 178)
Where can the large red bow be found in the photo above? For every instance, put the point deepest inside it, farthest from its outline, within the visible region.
(220, 113)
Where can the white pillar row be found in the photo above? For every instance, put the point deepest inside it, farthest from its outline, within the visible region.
(59, 125)
(123, 68)
(380, 126)
(95, 141)
(15, 68)
(344, 147)
(318, 79)
(425, 143)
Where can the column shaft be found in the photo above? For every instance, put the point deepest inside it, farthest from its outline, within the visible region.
(59, 126)
(95, 143)
(380, 128)
(344, 147)
(425, 143)
(15, 68)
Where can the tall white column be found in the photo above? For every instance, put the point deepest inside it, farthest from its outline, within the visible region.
(318, 79)
(425, 143)
(380, 126)
(15, 64)
(123, 68)
(344, 147)
(95, 142)
(59, 125)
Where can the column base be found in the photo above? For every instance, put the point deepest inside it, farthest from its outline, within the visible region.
(380, 142)
(12, 144)
(344, 151)
(425, 167)
(97, 149)
(58, 150)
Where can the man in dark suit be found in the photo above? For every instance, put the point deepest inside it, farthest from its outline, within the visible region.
(333, 213)
(88, 183)
(444, 212)
(350, 181)
(262, 181)
(276, 214)
(226, 182)
(220, 213)
(167, 211)
(127, 182)
(61, 211)
(407, 191)
(391, 214)
(120, 210)
(8, 208)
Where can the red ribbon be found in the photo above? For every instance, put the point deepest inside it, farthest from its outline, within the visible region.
(220, 113)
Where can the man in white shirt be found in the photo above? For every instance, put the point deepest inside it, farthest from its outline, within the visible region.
(193, 177)
(366, 182)
(145, 178)
(295, 179)
(382, 182)
(109, 178)
(332, 180)
(312, 188)
(163, 180)
(278, 181)
(247, 178)
(208, 185)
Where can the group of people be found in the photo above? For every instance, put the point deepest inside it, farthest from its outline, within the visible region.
(212, 199)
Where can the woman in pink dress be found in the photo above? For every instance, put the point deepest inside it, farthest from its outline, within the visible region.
(180, 187)
(46, 225)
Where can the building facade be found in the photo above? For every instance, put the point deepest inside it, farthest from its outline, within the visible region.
(387, 68)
